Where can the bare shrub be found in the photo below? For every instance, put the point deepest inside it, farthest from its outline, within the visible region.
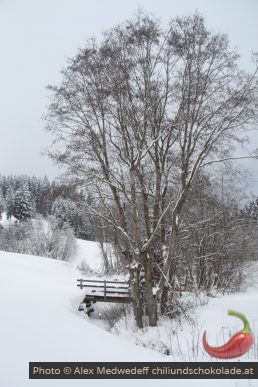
(113, 313)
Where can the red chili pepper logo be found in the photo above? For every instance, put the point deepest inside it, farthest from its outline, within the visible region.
(237, 346)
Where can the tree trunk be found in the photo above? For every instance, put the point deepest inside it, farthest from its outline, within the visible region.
(169, 268)
(163, 300)
(151, 303)
(136, 295)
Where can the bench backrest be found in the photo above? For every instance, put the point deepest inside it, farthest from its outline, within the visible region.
(109, 291)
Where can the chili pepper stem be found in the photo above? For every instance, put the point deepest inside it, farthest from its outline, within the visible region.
(246, 328)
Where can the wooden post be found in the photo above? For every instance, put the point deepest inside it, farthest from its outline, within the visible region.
(105, 289)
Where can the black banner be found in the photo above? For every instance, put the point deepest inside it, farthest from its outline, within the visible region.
(143, 370)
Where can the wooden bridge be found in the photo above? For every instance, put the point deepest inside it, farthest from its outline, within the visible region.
(105, 291)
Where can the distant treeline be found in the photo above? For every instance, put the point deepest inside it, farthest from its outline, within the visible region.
(216, 237)
(25, 197)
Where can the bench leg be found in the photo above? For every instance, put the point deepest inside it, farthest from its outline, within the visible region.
(89, 311)
(86, 306)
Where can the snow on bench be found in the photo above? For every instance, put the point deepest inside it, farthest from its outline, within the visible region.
(105, 291)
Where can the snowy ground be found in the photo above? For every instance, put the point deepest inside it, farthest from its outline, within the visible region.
(4, 222)
(40, 322)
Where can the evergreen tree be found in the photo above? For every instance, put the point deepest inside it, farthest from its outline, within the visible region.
(253, 211)
(44, 189)
(22, 204)
(64, 211)
(249, 213)
(2, 204)
(39, 190)
(9, 203)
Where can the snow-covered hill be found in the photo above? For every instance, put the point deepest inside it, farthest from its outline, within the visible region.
(40, 322)
(88, 253)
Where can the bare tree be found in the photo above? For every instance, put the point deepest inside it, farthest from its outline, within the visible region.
(135, 119)
(213, 247)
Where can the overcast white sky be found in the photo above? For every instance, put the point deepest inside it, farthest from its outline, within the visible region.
(36, 37)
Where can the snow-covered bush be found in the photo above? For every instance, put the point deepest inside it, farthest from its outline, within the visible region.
(60, 242)
(38, 237)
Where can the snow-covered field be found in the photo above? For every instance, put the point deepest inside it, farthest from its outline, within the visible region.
(40, 322)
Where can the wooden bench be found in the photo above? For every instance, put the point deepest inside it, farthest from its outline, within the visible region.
(105, 291)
